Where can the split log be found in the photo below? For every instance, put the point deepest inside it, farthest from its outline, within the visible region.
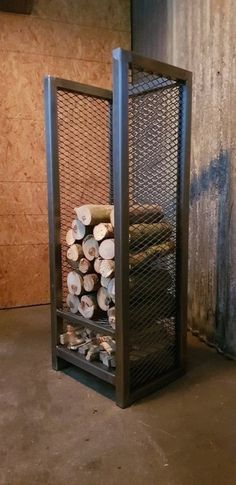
(84, 266)
(104, 230)
(149, 233)
(90, 247)
(107, 249)
(107, 267)
(103, 299)
(112, 317)
(72, 302)
(105, 281)
(158, 250)
(88, 306)
(74, 283)
(112, 217)
(111, 289)
(79, 229)
(91, 282)
(75, 252)
(106, 359)
(70, 237)
(145, 213)
(97, 264)
(93, 214)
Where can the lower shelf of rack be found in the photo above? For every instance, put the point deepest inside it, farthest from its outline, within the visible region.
(94, 367)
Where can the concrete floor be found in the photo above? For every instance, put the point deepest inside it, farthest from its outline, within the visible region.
(56, 430)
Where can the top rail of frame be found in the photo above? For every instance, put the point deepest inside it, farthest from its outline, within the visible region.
(65, 84)
(152, 65)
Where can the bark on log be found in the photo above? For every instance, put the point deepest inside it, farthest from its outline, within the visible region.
(97, 264)
(88, 306)
(145, 213)
(104, 230)
(70, 237)
(112, 217)
(158, 250)
(74, 283)
(79, 229)
(93, 214)
(107, 249)
(75, 252)
(72, 302)
(91, 282)
(90, 247)
(85, 266)
(111, 315)
(111, 289)
(107, 267)
(105, 281)
(103, 298)
(150, 233)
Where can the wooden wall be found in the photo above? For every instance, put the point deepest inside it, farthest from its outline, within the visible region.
(200, 35)
(72, 39)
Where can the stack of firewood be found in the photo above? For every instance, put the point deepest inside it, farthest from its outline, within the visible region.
(90, 345)
(91, 253)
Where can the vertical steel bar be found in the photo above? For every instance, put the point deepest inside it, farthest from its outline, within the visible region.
(50, 91)
(121, 201)
(183, 222)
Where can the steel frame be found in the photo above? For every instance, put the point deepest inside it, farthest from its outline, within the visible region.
(122, 62)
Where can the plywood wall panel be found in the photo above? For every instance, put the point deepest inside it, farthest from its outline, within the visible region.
(23, 275)
(25, 99)
(23, 198)
(71, 39)
(23, 229)
(22, 150)
(33, 34)
(108, 14)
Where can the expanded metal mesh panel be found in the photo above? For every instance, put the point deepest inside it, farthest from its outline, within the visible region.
(84, 128)
(154, 134)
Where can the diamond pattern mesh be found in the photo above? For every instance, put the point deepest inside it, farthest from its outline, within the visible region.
(84, 128)
(154, 131)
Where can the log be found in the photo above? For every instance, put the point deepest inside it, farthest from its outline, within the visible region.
(149, 233)
(103, 299)
(107, 267)
(104, 230)
(78, 229)
(105, 281)
(91, 282)
(145, 213)
(72, 302)
(70, 237)
(111, 315)
(111, 289)
(107, 249)
(84, 266)
(158, 250)
(88, 305)
(74, 283)
(97, 264)
(75, 252)
(93, 214)
(90, 247)
(112, 217)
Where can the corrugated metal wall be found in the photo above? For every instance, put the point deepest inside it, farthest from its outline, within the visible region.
(200, 35)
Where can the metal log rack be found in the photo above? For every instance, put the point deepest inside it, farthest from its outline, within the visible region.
(130, 146)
